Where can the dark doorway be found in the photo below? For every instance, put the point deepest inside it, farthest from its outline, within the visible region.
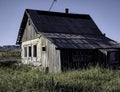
(113, 59)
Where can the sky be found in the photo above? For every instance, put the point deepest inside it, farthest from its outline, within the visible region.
(105, 13)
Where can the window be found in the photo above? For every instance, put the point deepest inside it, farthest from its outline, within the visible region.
(25, 51)
(35, 51)
(43, 48)
(30, 51)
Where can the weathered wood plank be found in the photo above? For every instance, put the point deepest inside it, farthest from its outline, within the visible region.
(29, 32)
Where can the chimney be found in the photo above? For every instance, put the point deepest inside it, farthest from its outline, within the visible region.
(104, 34)
(66, 10)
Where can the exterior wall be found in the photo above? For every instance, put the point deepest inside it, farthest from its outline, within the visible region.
(29, 32)
(76, 58)
(113, 58)
(109, 57)
(54, 58)
(32, 60)
(50, 57)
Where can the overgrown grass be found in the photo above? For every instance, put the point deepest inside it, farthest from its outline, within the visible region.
(25, 79)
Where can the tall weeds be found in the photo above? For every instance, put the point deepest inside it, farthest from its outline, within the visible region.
(25, 79)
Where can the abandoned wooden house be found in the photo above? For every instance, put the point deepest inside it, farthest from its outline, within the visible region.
(57, 41)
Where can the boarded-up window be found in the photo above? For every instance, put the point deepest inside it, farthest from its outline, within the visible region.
(35, 51)
(30, 51)
(25, 51)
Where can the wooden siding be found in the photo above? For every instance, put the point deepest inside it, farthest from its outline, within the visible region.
(54, 59)
(50, 57)
(73, 59)
(29, 32)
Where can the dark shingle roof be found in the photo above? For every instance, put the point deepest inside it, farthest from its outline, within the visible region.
(77, 31)
(53, 22)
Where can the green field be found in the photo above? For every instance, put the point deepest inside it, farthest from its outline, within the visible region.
(9, 57)
(10, 53)
(26, 79)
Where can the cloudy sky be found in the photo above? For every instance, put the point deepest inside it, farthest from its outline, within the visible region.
(105, 13)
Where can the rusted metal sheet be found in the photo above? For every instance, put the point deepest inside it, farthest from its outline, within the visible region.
(75, 41)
